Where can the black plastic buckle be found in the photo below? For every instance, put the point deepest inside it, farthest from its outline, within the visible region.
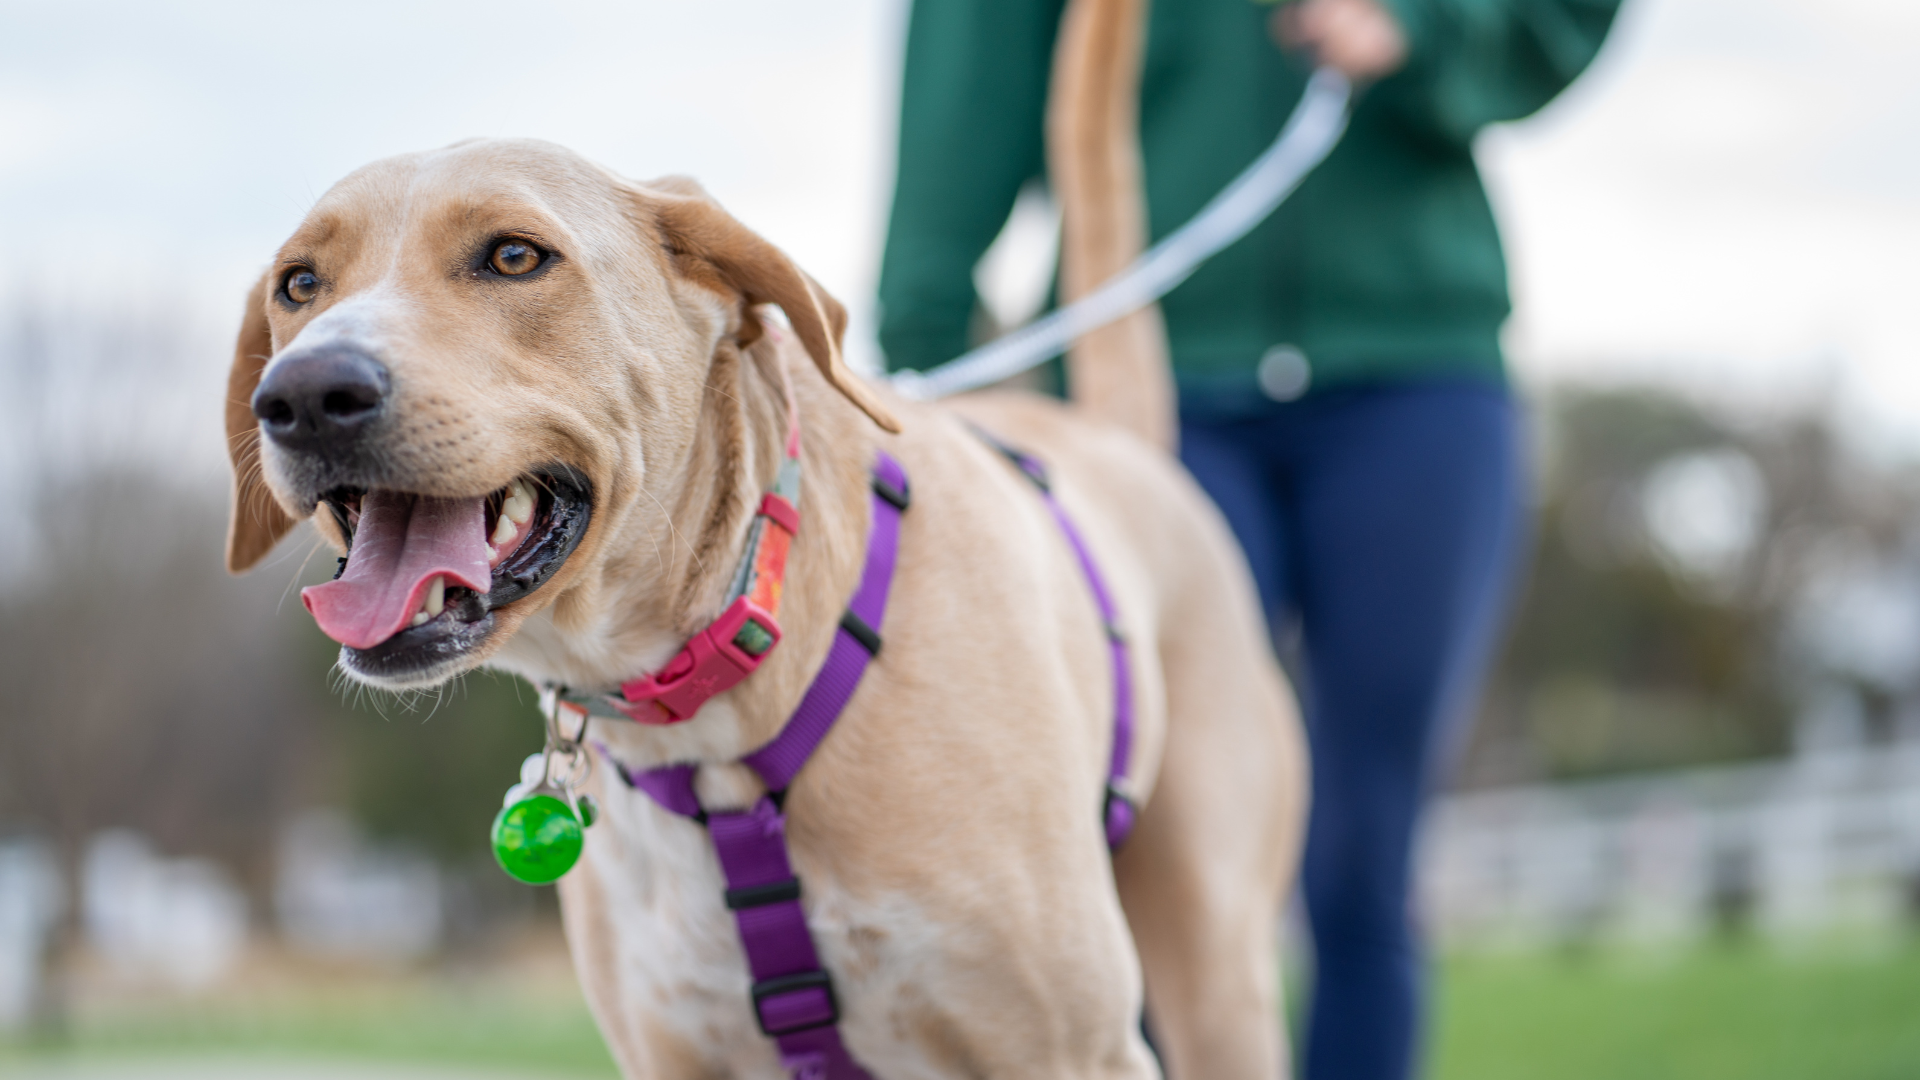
(867, 636)
(1132, 811)
(753, 896)
(900, 497)
(1033, 469)
(787, 984)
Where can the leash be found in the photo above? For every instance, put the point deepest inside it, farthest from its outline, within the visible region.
(1308, 136)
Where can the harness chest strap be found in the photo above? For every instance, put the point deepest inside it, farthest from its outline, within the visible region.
(793, 996)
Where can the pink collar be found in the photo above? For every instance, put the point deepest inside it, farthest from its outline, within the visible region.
(735, 643)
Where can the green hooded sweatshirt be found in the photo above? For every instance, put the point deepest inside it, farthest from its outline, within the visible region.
(1385, 264)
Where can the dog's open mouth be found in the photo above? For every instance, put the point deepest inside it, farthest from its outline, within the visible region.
(423, 574)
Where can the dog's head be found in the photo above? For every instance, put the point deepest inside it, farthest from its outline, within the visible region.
(462, 360)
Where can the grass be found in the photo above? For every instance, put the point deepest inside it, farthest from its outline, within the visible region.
(1711, 1014)
(1719, 1013)
(543, 1029)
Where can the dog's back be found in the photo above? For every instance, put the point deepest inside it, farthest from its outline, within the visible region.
(1221, 759)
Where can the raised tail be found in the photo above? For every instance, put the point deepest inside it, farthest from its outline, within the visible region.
(1118, 373)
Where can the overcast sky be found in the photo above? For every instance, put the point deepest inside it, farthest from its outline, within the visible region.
(1730, 199)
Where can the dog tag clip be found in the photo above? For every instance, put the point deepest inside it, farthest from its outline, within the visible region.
(540, 829)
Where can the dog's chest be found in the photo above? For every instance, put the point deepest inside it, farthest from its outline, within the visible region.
(660, 944)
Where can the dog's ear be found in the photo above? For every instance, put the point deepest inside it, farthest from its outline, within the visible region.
(708, 244)
(256, 522)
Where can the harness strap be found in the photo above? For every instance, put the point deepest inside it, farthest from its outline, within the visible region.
(780, 761)
(792, 993)
(1118, 812)
(793, 997)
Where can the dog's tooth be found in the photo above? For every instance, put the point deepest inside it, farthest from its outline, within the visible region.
(436, 595)
(505, 530)
(420, 618)
(521, 502)
(519, 506)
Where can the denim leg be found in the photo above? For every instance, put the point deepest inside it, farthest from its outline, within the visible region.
(1409, 511)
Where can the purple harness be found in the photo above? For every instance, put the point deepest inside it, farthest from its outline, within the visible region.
(793, 998)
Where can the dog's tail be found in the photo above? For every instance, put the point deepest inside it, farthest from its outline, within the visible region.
(1120, 372)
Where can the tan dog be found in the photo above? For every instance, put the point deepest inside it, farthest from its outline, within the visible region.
(947, 830)
(500, 352)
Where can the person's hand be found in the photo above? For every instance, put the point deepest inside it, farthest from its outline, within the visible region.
(1358, 37)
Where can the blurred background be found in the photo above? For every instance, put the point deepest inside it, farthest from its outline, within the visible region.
(1684, 839)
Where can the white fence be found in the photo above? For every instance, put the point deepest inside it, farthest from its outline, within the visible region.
(1827, 842)
(183, 923)
(30, 898)
(178, 922)
(336, 895)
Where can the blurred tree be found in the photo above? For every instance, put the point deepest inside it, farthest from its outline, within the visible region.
(148, 689)
(1673, 553)
(145, 688)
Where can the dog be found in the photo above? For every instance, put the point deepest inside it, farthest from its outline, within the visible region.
(542, 403)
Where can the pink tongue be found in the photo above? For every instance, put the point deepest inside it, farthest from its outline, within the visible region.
(402, 541)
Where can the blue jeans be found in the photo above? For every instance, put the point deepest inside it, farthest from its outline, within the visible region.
(1382, 524)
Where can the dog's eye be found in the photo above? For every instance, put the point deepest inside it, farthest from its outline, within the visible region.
(514, 257)
(300, 285)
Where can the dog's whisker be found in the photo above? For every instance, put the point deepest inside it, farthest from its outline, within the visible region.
(672, 531)
(299, 571)
(439, 696)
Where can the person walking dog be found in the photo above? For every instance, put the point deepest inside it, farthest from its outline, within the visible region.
(1342, 393)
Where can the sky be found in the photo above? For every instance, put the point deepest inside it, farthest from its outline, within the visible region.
(1727, 201)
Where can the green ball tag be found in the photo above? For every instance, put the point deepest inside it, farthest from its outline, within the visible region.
(537, 839)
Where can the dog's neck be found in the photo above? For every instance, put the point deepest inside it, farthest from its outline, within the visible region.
(675, 547)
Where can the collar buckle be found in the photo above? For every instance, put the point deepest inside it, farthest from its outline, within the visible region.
(713, 662)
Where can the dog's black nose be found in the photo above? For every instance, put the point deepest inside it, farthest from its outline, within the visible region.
(321, 400)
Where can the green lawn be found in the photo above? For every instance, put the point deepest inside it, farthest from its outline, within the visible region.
(1716, 1014)
(541, 1030)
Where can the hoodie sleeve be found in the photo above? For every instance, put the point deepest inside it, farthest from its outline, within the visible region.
(1476, 62)
(972, 113)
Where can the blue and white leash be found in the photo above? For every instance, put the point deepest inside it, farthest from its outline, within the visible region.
(1309, 136)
